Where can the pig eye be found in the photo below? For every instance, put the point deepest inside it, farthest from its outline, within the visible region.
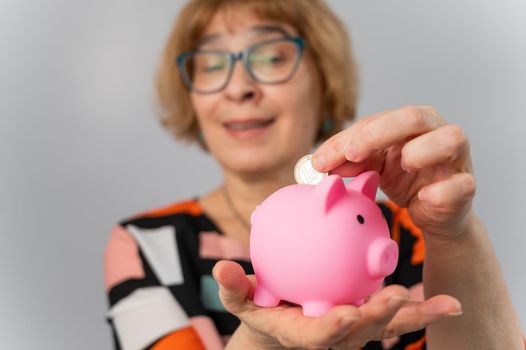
(360, 219)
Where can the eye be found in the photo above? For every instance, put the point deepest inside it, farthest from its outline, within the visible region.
(360, 219)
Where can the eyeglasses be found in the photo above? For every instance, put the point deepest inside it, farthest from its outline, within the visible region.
(268, 62)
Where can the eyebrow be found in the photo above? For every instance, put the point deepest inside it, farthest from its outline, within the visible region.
(257, 29)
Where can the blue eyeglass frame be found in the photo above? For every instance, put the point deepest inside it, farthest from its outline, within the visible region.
(240, 56)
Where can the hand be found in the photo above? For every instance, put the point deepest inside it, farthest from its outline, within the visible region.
(424, 164)
(387, 314)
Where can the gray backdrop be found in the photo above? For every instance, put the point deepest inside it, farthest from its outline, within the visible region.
(80, 147)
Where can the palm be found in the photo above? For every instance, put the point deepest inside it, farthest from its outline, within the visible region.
(386, 314)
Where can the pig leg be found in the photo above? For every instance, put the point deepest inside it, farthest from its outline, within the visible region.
(359, 302)
(316, 308)
(264, 298)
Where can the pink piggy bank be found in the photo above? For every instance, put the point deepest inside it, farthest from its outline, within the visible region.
(321, 245)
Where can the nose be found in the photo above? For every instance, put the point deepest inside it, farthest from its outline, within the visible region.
(382, 257)
(241, 87)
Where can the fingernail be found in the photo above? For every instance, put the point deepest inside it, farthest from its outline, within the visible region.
(455, 314)
(396, 300)
(348, 320)
(319, 162)
(214, 271)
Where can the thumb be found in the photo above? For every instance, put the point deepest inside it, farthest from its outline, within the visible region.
(234, 286)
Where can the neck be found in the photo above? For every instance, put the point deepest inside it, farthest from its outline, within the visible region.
(247, 191)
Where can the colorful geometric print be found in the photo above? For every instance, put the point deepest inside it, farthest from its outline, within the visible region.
(158, 278)
(185, 338)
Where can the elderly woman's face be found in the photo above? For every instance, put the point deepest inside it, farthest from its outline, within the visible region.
(251, 127)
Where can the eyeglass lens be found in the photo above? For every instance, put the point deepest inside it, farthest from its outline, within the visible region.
(269, 63)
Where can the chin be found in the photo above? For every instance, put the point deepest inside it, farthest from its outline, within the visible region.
(255, 163)
(252, 166)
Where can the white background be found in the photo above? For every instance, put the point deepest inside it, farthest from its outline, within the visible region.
(80, 147)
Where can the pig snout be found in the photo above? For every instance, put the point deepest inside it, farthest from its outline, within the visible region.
(382, 257)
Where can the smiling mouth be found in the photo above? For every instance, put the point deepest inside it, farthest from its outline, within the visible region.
(248, 124)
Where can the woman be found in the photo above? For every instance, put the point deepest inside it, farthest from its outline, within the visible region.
(258, 84)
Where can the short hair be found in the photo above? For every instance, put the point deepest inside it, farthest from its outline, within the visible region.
(327, 42)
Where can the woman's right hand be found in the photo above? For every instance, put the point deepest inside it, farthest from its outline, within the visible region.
(386, 314)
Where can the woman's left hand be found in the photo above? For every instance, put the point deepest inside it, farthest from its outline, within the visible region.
(424, 164)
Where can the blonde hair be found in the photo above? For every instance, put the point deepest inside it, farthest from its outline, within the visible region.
(327, 43)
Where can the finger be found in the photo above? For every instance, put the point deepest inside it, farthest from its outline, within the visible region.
(445, 144)
(378, 312)
(384, 304)
(320, 332)
(234, 286)
(352, 169)
(392, 128)
(416, 316)
(373, 134)
(331, 153)
(451, 194)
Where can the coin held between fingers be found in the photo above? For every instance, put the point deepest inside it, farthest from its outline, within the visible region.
(304, 172)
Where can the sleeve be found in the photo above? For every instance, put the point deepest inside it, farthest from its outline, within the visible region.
(154, 301)
(408, 273)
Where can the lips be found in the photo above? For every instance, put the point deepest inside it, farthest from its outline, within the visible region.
(248, 124)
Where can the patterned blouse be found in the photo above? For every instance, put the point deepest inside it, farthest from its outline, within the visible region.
(158, 278)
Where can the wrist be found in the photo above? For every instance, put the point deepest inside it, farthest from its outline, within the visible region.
(455, 242)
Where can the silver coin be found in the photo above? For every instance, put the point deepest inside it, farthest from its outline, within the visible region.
(304, 172)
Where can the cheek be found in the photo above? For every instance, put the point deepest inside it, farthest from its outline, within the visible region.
(203, 106)
(298, 118)
(307, 93)
(300, 101)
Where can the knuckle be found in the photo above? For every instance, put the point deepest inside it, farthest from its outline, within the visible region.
(365, 137)
(430, 109)
(421, 117)
(457, 133)
(336, 145)
(230, 305)
(469, 184)
(413, 116)
(365, 134)
(457, 139)
(380, 319)
(388, 333)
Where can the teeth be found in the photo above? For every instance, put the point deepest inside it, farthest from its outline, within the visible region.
(249, 125)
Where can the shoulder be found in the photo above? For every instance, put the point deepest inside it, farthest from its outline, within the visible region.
(166, 213)
(152, 240)
(185, 216)
(157, 231)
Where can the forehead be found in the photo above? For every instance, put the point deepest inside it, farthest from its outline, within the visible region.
(229, 23)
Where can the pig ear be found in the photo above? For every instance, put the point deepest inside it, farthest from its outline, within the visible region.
(329, 191)
(366, 183)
